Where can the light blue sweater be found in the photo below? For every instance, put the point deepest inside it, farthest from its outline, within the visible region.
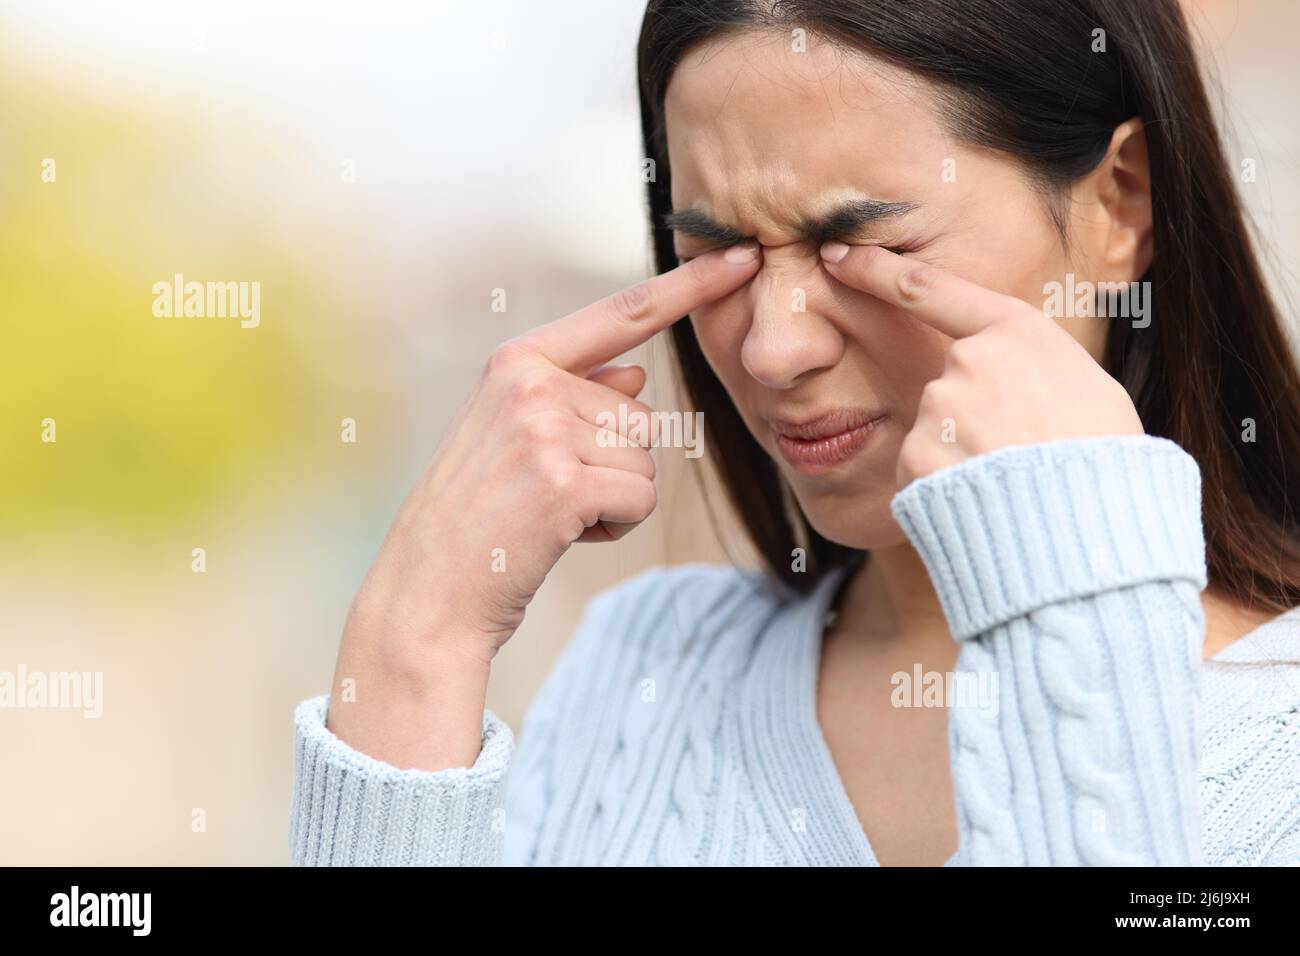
(679, 725)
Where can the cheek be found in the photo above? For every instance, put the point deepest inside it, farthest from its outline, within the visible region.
(1016, 255)
(1023, 266)
(1013, 265)
(909, 354)
(720, 329)
(890, 354)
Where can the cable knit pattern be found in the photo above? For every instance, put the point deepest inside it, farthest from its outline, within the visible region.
(679, 726)
(1092, 759)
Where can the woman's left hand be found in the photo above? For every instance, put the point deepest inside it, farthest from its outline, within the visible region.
(1013, 376)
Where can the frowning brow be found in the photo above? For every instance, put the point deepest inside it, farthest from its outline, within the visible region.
(692, 222)
(843, 220)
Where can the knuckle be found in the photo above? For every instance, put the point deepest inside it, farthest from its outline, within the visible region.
(571, 529)
(544, 431)
(642, 426)
(967, 353)
(647, 498)
(508, 356)
(698, 275)
(607, 437)
(640, 409)
(915, 283)
(564, 479)
(867, 256)
(635, 303)
(913, 452)
(587, 510)
(534, 386)
(933, 394)
(535, 462)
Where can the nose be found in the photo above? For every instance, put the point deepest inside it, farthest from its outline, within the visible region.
(788, 339)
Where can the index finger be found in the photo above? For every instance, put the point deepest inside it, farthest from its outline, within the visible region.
(594, 335)
(949, 303)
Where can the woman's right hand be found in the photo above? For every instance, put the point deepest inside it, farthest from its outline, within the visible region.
(519, 476)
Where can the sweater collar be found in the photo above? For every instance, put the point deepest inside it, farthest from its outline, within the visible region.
(1273, 642)
(818, 822)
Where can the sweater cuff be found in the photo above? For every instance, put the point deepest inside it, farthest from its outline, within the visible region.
(1014, 530)
(352, 810)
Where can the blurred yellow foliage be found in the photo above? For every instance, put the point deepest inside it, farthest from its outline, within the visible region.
(155, 417)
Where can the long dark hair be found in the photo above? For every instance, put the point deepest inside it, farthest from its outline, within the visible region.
(1023, 77)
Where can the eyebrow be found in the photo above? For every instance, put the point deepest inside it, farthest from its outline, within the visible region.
(844, 219)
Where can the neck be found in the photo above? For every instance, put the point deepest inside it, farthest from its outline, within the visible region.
(891, 598)
(1228, 620)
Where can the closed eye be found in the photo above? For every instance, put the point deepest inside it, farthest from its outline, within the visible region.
(863, 237)
(685, 259)
(900, 250)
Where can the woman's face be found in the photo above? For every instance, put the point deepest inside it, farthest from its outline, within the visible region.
(765, 140)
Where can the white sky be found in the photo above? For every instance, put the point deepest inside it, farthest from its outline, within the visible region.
(484, 101)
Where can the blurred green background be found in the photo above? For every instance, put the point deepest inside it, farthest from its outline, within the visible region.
(379, 169)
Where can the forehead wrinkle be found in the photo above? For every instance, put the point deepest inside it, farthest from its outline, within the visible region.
(754, 200)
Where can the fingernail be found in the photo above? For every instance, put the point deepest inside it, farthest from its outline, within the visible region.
(834, 250)
(741, 252)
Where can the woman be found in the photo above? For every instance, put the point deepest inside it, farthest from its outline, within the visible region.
(866, 209)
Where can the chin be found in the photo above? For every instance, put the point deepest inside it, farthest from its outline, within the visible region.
(862, 521)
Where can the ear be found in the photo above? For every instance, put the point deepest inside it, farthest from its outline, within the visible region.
(1118, 196)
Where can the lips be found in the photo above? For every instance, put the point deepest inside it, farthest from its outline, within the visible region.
(816, 445)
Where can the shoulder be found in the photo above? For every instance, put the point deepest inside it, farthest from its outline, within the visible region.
(1276, 640)
(1249, 762)
(1259, 672)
